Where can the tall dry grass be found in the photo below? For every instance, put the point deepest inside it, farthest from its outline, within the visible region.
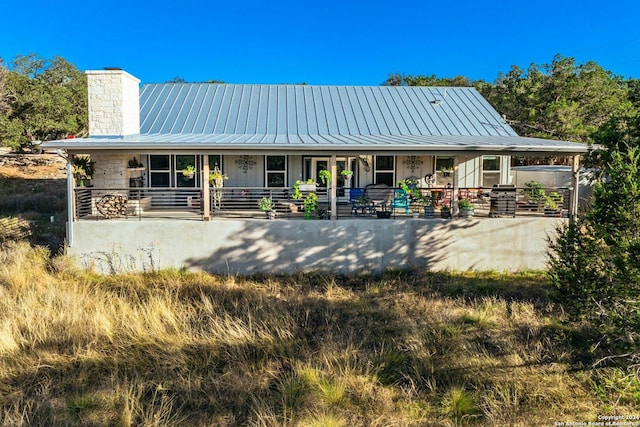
(177, 348)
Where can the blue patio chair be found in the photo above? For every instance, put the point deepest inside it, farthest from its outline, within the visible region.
(400, 201)
(356, 195)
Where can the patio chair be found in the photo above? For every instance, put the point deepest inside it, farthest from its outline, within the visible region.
(357, 200)
(378, 195)
(400, 201)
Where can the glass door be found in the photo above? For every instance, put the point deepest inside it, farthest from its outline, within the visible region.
(323, 163)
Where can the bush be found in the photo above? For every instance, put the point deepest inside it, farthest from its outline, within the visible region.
(595, 260)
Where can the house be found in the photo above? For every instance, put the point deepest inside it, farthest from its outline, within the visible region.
(265, 138)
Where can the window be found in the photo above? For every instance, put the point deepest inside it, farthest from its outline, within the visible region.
(444, 170)
(276, 171)
(160, 171)
(183, 161)
(215, 160)
(384, 170)
(490, 171)
(166, 170)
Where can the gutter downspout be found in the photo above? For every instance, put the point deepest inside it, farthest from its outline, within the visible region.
(206, 194)
(70, 202)
(454, 190)
(334, 183)
(575, 175)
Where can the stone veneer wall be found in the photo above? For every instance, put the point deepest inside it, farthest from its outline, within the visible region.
(111, 170)
(114, 104)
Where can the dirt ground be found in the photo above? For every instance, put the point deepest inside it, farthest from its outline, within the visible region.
(32, 166)
(33, 198)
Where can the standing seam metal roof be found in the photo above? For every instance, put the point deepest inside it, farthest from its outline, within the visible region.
(288, 110)
(299, 117)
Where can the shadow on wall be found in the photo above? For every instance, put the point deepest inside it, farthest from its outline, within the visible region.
(339, 247)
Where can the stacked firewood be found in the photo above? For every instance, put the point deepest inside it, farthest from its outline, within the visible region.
(112, 205)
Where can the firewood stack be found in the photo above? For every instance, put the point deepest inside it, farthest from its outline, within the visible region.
(112, 205)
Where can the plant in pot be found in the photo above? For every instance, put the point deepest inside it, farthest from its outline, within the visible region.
(535, 194)
(83, 168)
(417, 202)
(268, 207)
(310, 205)
(553, 203)
(299, 186)
(466, 208)
(429, 204)
(445, 211)
(216, 180)
(189, 172)
(347, 174)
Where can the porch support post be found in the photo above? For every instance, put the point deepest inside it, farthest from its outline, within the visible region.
(71, 201)
(454, 196)
(334, 183)
(575, 178)
(206, 199)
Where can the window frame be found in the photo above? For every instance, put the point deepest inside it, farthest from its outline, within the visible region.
(268, 172)
(378, 172)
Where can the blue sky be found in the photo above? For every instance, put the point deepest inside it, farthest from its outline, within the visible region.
(328, 42)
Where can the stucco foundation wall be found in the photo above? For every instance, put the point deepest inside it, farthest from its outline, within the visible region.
(286, 246)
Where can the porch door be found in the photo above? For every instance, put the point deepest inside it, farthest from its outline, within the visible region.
(322, 163)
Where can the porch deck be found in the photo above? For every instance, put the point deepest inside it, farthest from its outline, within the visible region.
(235, 203)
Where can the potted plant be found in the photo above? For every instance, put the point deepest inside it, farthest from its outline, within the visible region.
(299, 186)
(446, 170)
(535, 194)
(83, 168)
(445, 211)
(553, 203)
(189, 172)
(310, 205)
(347, 174)
(216, 178)
(466, 208)
(416, 202)
(325, 177)
(268, 207)
(429, 205)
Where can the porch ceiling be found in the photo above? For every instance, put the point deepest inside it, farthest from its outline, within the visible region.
(408, 144)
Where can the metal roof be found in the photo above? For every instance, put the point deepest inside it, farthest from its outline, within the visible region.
(215, 109)
(176, 116)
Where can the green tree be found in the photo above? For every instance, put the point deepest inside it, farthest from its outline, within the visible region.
(562, 100)
(4, 95)
(47, 99)
(595, 261)
(423, 80)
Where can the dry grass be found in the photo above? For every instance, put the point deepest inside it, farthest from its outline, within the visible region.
(176, 348)
(32, 191)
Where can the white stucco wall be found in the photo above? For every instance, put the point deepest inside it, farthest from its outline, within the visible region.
(114, 104)
(345, 246)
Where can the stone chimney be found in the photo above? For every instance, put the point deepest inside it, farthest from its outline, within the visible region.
(114, 103)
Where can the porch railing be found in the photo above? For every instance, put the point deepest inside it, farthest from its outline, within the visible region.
(242, 202)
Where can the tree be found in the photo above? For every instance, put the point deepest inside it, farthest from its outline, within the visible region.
(562, 100)
(4, 95)
(422, 80)
(595, 261)
(47, 99)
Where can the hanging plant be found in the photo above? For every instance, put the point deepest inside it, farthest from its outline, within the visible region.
(189, 172)
(217, 178)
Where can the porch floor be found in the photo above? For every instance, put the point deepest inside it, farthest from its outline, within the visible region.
(344, 212)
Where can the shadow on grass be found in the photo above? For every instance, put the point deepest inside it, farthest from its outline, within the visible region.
(335, 324)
